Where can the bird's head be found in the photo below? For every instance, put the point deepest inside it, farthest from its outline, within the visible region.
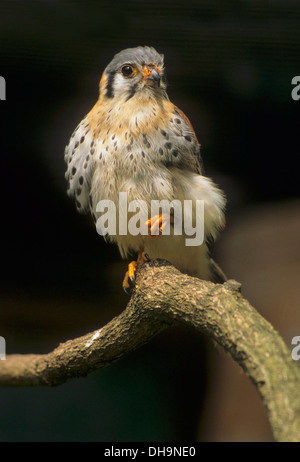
(133, 71)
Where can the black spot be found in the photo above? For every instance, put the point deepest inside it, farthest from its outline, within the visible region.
(76, 144)
(175, 152)
(91, 201)
(129, 145)
(92, 150)
(134, 168)
(78, 192)
(87, 158)
(188, 138)
(92, 143)
(87, 131)
(131, 156)
(74, 170)
(85, 166)
(146, 142)
(163, 133)
(143, 154)
(81, 180)
(168, 164)
(168, 145)
(113, 137)
(109, 92)
(178, 121)
(82, 139)
(100, 157)
(160, 151)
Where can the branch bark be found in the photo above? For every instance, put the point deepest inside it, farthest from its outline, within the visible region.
(163, 297)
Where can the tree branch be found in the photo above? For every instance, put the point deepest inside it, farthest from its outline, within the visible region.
(163, 297)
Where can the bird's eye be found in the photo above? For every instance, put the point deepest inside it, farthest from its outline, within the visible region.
(128, 71)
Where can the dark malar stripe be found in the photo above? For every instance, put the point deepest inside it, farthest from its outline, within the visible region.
(132, 91)
(109, 92)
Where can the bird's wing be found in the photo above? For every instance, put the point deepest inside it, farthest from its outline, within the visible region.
(189, 133)
(79, 157)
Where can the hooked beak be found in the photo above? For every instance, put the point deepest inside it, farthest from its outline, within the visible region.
(151, 75)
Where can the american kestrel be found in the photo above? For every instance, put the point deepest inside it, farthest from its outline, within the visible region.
(135, 141)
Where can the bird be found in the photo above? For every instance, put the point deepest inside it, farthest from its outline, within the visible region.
(136, 141)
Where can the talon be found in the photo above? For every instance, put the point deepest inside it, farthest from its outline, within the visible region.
(128, 289)
(143, 257)
(129, 279)
(128, 283)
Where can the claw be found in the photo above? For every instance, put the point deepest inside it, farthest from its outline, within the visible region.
(127, 290)
(143, 257)
(129, 279)
(128, 283)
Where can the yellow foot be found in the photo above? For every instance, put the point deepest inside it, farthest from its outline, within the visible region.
(157, 223)
(129, 279)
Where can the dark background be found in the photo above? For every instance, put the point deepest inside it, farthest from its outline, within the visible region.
(229, 67)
